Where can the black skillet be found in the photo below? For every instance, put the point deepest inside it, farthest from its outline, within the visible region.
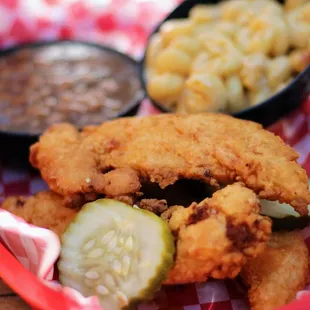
(265, 113)
(15, 143)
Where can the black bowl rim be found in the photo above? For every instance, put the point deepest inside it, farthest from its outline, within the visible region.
(124, 112)
(251, 109)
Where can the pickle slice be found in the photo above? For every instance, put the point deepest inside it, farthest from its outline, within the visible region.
(277, 210)
(114, 251)
(283, 216)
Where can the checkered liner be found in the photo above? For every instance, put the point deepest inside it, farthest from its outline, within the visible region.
(37, 249)
(31, 244)
(119, 23)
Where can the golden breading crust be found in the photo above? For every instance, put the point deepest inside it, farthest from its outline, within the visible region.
(276, 275)
(114, 158)
(44, 209)
(216, 237)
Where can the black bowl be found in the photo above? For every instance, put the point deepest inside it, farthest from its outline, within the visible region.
(15, 142)
(265, 113)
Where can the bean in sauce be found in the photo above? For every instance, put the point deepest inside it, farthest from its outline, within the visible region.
(64, 82)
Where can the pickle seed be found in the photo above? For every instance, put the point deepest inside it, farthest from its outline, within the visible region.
(112, 244)
(92, 275)
(108, 236)
(122, 298)
(88, 245)
(95, 253)
(109, 280)
(117, 267)
(127, 227)
(129, 244)
(102, 290)
(126, 265)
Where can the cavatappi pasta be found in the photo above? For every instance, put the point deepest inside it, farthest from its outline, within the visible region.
(228, 56)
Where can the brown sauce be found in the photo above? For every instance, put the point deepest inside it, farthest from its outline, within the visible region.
(65, 82)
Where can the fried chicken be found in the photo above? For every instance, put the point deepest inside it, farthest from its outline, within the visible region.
(216, 237)
(44, 209)
(276, 275)
(115, 158)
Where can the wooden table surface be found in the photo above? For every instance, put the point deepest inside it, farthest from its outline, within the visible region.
(9, 300)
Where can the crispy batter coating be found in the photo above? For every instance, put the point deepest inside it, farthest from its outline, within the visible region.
(114, 158)
(276, 275)
(44, 209)
(216, 237)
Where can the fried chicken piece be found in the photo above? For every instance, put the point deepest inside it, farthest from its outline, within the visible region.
(115, 157)
(275, 276)
(44, 209)
(216, 237)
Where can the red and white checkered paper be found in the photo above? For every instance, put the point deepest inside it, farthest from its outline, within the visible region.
(124, 24)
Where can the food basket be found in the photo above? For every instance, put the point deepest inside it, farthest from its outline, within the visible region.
(124, 25)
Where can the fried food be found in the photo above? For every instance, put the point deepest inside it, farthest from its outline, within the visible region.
(44, 209)
(115, 158)
(213, 238)
(275, 276)
(216, 237)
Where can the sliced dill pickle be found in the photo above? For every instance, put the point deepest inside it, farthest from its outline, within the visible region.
(283, 216)
(278, 210)
(119, 253)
